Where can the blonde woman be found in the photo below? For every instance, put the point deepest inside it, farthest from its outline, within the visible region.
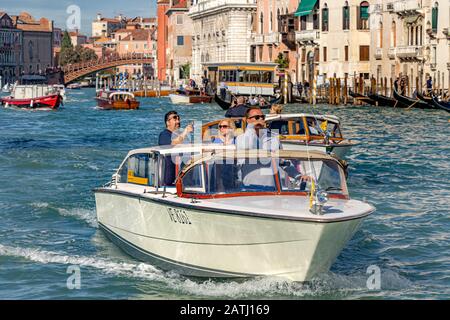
(276, 109)
(226, 133)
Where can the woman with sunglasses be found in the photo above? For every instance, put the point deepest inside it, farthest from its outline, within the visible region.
(226, 133)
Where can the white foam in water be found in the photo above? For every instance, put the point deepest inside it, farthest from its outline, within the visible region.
(263, 287)
(84, 214)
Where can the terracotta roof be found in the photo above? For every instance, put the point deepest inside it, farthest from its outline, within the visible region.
(108, 20)
(138, 35)
(33, 27)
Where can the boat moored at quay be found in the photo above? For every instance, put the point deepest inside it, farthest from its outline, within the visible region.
(231, 213)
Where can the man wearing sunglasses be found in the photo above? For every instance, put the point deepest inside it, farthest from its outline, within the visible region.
(256, 135)
(172, 136)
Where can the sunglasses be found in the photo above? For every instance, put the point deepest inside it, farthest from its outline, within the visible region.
(257, 117)
(223, 127)
(175, 118)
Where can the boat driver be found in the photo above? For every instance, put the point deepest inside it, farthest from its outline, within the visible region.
(172, 135)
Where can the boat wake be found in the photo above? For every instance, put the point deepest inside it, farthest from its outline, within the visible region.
(327, 285)
(86, 215)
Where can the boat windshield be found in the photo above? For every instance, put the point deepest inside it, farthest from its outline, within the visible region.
(232, 176)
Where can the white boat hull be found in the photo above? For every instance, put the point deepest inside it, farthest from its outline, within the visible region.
(203, 243)
(178, 99)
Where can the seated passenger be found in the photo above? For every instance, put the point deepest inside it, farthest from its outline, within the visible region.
(226, 133)
(172, 136)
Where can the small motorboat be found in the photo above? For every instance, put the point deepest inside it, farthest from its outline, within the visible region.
(7, 88)
(297, 131)
(117, 100)
(440, 104)
(189, 96)
(33, 97)
(232, 213)
(74, 86)
(411, 102)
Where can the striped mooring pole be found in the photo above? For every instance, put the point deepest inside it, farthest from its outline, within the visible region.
(285, 89)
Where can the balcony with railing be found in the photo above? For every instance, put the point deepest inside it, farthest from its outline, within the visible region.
(405, 7)
(409, 52)
(391, 53)
(207, 6)
(307, 36)
(258, 39)
(378, 53)
(272, 38)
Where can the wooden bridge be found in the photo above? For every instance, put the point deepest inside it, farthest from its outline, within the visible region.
(78, 70)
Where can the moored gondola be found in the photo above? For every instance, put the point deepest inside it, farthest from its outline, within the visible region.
(362, 98)
(440, 104)
(225, 105)
(410, 102)
(424, 98)
(384, 101)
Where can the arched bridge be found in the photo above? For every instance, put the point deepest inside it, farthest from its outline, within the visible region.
(78, 70)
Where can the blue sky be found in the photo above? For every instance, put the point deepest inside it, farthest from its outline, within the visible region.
(56, 10)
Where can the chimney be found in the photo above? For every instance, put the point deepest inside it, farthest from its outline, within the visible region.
(99, 16)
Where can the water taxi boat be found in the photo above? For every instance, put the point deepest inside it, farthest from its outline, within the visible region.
(33, 97)
(232, 213)
(189, 96)
(116, 100)
(297, 131)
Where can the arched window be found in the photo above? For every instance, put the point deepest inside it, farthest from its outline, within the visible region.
(363, 16)
(271, 22)
(434, 17)
(346, 16)
(393, 34)
(279, 20)
(325, 18)
(261, 23)
(380, 35)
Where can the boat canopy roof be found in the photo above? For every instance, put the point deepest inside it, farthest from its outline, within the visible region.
(291, 116)
(181, 148)
(258, 154)
(125, 93)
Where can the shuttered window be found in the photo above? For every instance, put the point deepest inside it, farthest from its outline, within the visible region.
(363, 53)
(434, 19)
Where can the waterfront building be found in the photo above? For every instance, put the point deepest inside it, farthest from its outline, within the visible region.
(411, 38)
(104, 27)
(333, 39)
(179, 42)
(11, 62)
(77, 39)
(222, 32)
(57, 41)
(162, 39)
(136, 41)
(37, 43)
(273, 33)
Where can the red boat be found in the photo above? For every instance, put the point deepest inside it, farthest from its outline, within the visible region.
(51, 102)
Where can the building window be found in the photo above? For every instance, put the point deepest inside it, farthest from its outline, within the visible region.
(316, 55)
(346, 53)
(271, 22)
(260, 53)
(270, 52)
(363, 53)
(179, 19)
(393, 35)
(180, 40)
(380, 35)
(434, 18)
(261, 23)
(346, 17)
(325, 18)
(315, 21)
(303, 22)
(363, 16)
(324, 54)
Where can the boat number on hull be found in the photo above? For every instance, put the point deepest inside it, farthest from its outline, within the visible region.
(178, 216)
